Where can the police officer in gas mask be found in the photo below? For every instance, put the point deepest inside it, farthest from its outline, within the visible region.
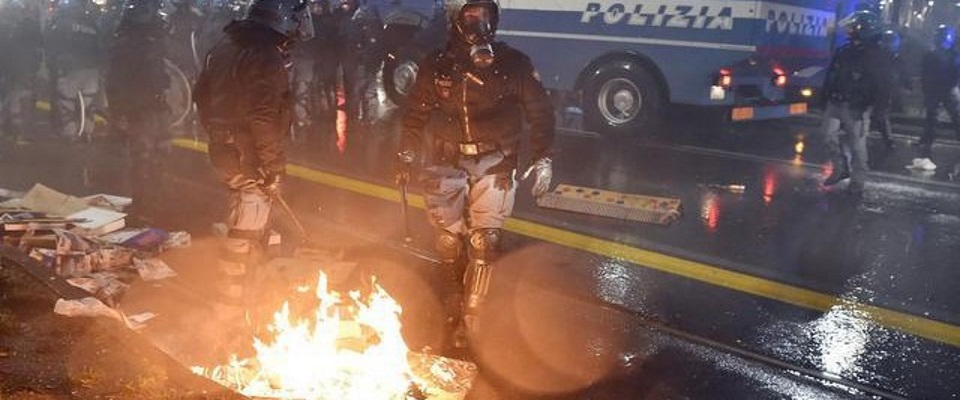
(464, 124)
(851, 90)
(244, 104)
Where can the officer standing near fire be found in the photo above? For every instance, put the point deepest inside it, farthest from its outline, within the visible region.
(244, 104)
(468, 102)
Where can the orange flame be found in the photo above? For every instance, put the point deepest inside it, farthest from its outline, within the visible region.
(350, 349)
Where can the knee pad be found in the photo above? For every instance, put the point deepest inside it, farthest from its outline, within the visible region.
(449, 246)
(484, 244)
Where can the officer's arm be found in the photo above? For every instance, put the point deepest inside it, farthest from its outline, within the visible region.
(268, 92)
(537, 109)
(419, 106)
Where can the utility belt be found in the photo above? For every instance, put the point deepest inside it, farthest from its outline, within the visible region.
(455, 150)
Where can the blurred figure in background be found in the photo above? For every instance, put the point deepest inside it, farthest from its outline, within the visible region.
(851, 89)
(939, 74)
(183, 35)
(75, 58)
(362, 57)
(21, 43)
(896, 79)
(307, 56)
(135, 83)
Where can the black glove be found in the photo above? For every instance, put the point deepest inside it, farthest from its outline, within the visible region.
(271, 183)
(403, 166)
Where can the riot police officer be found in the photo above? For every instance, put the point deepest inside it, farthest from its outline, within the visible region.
(361, 57)
(468, 102)
(896, 78)
(21, 46)
(851, 92)
(76, 56)
(244, 104)
(135, 83)
(939, 74)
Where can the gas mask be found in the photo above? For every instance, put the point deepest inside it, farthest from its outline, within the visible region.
(476, 26)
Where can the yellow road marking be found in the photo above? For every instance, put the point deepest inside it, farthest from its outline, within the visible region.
(918, 326)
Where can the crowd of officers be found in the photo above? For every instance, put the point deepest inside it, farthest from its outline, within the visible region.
(863, 82)
(64, 51)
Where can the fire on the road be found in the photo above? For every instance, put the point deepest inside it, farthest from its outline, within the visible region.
(349, 348)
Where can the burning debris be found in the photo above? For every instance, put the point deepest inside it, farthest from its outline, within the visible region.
(346, 347)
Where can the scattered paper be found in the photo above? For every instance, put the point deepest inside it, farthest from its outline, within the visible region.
(177, 240)
(104, 285)
(153, 269)
(122, 235)
(142, 317)
(86, 307)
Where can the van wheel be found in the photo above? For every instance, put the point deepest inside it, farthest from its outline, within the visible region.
(622, 98)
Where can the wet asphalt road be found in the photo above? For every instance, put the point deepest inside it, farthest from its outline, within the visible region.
(584, 318)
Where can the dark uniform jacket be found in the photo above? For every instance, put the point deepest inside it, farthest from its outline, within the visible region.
(244, 102)
(457, 107)
(856, 74)
(939, 73)
(136, 77)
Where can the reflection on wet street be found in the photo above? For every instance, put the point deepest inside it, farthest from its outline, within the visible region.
(768, 286)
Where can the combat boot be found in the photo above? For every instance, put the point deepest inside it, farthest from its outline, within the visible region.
(839, 173)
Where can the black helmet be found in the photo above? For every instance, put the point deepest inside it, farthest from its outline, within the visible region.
(891, 40)
(862, 25)
(141, 12)
(473, 31)
(289, 17)
(945, 37)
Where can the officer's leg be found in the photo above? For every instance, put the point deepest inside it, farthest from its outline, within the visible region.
(881, 121)
(90, 89)
(859, 126)
(67, 87)
(445, 191)
(931, 105)
(952, 105)
(249, 211)
(491, 202)
(830, 132)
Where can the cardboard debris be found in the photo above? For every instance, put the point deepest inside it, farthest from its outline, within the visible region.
(153, 269)
(43, 199)
(109, 201)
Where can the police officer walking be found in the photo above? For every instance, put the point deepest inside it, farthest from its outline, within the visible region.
(244, 104)
(851, 90)
(467, 108)
(939, 75)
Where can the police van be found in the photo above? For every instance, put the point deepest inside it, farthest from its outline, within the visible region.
(627, 59)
